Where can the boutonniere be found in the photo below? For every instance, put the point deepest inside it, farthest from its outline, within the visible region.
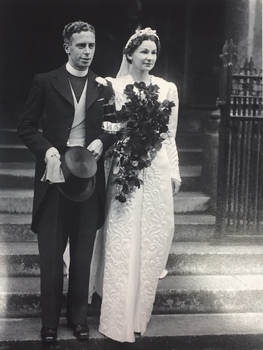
(101, 81)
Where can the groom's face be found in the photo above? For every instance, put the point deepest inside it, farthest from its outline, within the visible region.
(81, 49)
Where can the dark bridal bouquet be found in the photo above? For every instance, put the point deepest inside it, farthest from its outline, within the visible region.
(146, 124)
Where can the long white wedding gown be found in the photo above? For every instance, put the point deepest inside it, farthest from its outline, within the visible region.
(137, 235)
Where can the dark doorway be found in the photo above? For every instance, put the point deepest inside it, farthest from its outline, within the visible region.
(191, 33)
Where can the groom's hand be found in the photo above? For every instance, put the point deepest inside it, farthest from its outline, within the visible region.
(96, 147)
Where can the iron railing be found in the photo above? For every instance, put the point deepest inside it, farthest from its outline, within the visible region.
(239, 198)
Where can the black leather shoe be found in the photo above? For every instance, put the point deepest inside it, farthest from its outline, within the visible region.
(48, 335)
(81, 332)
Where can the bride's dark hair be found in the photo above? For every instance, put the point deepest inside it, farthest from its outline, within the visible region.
(136, 42)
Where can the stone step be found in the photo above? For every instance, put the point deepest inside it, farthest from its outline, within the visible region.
(16, 228)
(185, 258)
(16, 201)
(190, 156)
(164, 332)
(9, 120)
(20, 201)
(191, 175)
(9, 136)
(20, 296)
(21, 175)
(193, 119)
(19, 259)
(189, 140)
(17, 175)
(204, 258)
(183, 139)
(188, 227)
(20, 153)
(193, 227)
(186, 202)
(209, 294)
(176, 294)
(15, 153)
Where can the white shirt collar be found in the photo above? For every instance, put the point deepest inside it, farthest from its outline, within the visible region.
(77, 73)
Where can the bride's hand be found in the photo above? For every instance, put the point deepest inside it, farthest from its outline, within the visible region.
(176, 184)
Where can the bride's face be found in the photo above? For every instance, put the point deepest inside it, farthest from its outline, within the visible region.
(145, 56)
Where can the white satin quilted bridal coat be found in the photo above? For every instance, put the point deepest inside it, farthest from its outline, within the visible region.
(137, 234)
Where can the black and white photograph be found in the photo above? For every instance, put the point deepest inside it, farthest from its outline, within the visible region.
(131, 175)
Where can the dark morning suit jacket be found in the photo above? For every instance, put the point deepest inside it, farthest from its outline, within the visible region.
(50, 106)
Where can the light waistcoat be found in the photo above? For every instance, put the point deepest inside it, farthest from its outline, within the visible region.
(78, 134)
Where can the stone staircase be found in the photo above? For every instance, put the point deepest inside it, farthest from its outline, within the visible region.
(211, 299)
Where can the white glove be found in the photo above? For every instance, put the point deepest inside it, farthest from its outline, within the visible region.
(51, 152)
(53, 172)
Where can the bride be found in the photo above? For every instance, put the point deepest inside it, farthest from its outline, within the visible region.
(139, 229)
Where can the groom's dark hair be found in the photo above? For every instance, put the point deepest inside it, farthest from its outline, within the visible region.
(76, 27)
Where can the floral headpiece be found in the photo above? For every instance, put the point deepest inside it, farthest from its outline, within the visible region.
(141, 32)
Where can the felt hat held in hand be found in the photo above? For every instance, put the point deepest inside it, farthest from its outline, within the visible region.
(79, 168)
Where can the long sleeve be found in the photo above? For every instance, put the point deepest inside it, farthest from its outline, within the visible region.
(28, 126)
(169, 142)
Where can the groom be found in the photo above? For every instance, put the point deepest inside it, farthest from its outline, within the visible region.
(67, 104)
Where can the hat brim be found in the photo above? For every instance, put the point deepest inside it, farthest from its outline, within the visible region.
(80, 162)
(79, 168)
(75, 196)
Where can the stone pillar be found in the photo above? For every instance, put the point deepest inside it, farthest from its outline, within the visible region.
(244, 26)
(210, 158)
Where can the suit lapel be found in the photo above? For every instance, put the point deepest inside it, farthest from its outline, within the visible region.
(92, 89)
(60, 82)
